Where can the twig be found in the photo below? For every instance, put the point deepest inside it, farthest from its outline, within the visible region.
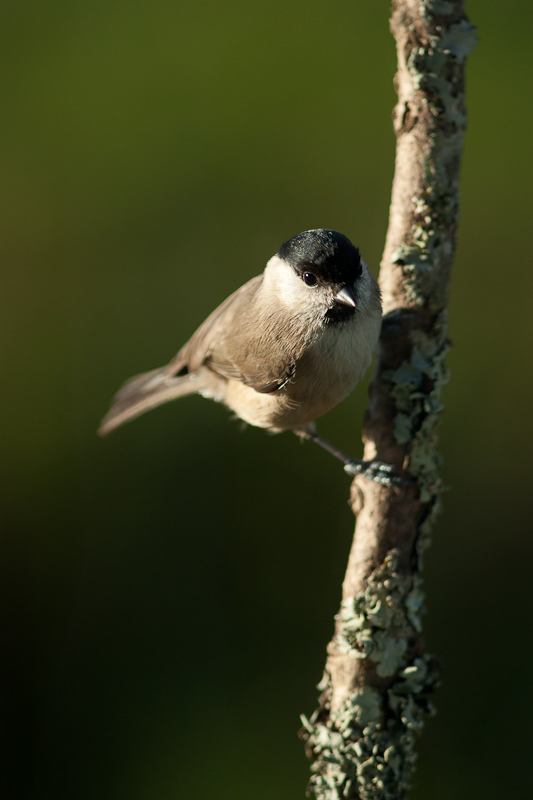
(377, 681)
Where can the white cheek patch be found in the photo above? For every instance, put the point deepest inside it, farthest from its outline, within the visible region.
(282, 280)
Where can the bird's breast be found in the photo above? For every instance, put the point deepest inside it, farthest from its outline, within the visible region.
(329, 368)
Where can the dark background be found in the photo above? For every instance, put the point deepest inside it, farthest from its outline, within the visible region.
(168, 592)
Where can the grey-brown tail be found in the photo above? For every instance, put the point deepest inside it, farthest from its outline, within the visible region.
(147, 391)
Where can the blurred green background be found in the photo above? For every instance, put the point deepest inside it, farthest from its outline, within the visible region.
(168, 593)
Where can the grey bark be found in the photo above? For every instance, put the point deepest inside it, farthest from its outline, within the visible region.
(378, 680)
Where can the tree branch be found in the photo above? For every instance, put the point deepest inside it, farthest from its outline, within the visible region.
(377, 681)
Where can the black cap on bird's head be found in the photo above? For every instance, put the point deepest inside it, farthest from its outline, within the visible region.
(331, 255)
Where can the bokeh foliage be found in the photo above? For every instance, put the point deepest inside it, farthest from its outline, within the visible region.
(167, 594)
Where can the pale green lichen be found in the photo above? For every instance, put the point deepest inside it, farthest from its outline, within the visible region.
(436, 70)
(429, 67)
(416, 388)
(459, 40)
(437, 210)
(366, 750)
(430, 7)
(372, 624)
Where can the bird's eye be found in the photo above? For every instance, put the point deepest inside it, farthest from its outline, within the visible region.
(310, 279)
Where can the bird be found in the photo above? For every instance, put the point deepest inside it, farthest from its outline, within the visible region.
(282, 350)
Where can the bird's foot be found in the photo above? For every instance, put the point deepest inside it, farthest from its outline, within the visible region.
(376, 471)
(372, 470)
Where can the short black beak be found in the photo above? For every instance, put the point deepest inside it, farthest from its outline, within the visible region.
(347, 296)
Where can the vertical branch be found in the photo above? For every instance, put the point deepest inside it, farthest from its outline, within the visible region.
(377, 681)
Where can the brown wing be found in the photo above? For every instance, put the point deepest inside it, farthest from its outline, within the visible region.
(194, 353)
(238, 341)
(238, 344)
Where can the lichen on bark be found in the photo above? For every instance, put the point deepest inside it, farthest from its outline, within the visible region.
(377, 681)
(366, 746)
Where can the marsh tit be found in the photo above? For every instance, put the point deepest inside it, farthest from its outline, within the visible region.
(283, 349)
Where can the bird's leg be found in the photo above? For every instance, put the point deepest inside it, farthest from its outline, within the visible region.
(373, 470)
